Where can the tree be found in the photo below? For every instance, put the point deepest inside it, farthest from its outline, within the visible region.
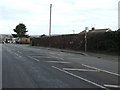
(20, 30)
(43, 35)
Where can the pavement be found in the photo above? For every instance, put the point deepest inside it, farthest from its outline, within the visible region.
(98, 55)
(104, 56)
(25, 66)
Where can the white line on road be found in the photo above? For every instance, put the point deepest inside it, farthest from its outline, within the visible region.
(50, 57)
(33, 58)
(101, 70)
(85, 70)
(17, 55)
(42, 56)
(57, 62)
(47, 57)
(80, 78)
(58, 58)
(19, 52)
(115, 86)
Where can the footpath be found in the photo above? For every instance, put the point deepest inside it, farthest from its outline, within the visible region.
(97, 55)
(102, 56)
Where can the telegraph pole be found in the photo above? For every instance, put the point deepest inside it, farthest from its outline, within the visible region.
(50, 19)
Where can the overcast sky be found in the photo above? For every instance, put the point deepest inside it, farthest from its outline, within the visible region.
(67, 15)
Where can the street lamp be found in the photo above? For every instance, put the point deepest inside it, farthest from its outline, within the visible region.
(50, 19)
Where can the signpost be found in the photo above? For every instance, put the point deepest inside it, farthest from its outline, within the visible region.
(50, 19)
(86, 29)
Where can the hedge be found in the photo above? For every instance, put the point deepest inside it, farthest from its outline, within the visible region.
(108, 41)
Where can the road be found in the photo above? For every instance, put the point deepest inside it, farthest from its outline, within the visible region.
(24, 66)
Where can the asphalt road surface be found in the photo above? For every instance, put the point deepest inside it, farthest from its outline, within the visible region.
(24, 66)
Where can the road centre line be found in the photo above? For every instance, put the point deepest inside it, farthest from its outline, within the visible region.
(57, 62)
(115, 86)
(33, 58)
(81, 78)
(101, 70)
(85, 70)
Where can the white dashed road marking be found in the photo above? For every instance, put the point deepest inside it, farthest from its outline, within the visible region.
(115, 86)
(101, 70)
(81, 78)
(17, 55)
(19, 52)
(56, 62)
(84, 70)
(58, 58)
(33, 58)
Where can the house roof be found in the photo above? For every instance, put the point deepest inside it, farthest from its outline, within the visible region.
(100, 30)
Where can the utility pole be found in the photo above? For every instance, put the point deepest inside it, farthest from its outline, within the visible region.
(50, 19)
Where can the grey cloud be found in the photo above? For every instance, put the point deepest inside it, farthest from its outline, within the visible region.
(13, 13)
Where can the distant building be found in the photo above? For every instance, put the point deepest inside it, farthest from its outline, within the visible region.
(2, 38)
(24, 40)
(5, 38)
(100, 30)
(118, 30)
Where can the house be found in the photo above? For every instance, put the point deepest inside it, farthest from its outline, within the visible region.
(24, 40)
(100, 30)
(118, 30)
(5, 38)
(2, 38)
(20, 40)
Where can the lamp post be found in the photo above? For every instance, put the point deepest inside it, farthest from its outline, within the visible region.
(50, 20)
